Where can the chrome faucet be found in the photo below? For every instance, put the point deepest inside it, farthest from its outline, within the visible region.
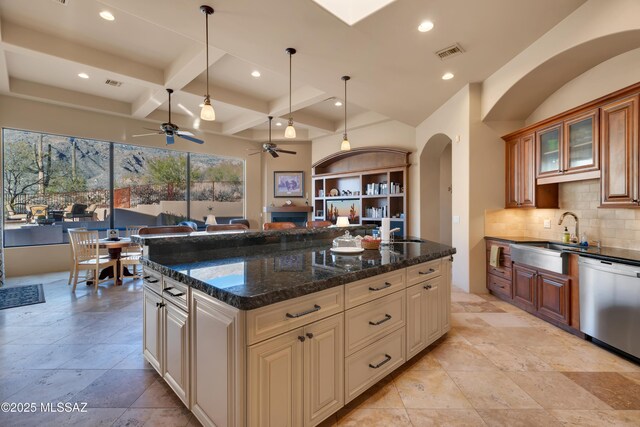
(574, 217)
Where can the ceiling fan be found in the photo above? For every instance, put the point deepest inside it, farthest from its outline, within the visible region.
(171, 130)
(270, 147)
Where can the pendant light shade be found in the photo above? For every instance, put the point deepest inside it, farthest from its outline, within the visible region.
(207, 112)
(290, 131)
(345, 146)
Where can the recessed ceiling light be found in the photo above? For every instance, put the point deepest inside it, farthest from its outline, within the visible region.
(255, 74)
(83, 75)
(107, 16)
(447, 76)
(425, 26)
(338, 104)
(278, 124)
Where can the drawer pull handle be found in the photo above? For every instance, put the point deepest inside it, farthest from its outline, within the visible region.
(151, 280)
(315, 308)
(309, 335)
(428, 287)
(168, 290)
(160, 304)
(301, 338)
(431, 270)
(387, 317)
(386, 359)
(385, 286)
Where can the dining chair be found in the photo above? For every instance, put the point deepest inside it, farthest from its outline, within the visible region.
(165, 229)
(226, 227)
(131, 254)
(240, 221)
(86, 253)
(72, 270)
(318, 224)
(278, 225)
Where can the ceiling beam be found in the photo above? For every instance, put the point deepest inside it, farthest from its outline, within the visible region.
(176, 76)
(242, 122)
(4, 74)
(300, 98)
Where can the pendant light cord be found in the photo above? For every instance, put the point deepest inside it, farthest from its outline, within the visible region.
(206, 30)
(290, 85)
(345, 108)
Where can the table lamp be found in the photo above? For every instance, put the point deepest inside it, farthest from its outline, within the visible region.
(342, 221)
(211, 220)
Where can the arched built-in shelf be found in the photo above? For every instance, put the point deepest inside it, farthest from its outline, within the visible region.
(371, 183)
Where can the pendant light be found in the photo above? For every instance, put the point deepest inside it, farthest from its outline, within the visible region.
(290, 131)
(345, 146)
(207, 112)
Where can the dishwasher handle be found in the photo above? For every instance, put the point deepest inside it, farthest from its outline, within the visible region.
(610, 267)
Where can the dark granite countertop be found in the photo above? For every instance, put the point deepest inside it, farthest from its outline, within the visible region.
(625, 256)
(248, 277)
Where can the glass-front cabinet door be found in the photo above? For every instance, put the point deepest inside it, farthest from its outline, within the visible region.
(581, 143)
(549, 149)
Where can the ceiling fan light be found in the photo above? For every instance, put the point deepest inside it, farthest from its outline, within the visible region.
(290, 131)
(345, 146)
(207, 112)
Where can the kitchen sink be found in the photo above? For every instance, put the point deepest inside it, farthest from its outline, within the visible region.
(547, 256)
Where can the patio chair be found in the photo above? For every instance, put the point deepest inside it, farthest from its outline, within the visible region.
(226, 227)
(38, 211)
(13, 216)
(278, 225)
(86, 254)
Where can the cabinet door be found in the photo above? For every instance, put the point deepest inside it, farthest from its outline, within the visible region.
(549, 151)
(512, 168)
(445, 297)
(524, 286)
(553, 297)
(619, 148)
(152, 333)
(581, 152)
(323, 369)
(416, 320)
(176, 351)
(432, 304)
(527, 180)
(275, 381)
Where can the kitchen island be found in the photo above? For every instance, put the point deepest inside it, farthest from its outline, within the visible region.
(272, 328)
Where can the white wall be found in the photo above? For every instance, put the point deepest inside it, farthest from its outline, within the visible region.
(616, 73)
(445, 195)
(42, 117)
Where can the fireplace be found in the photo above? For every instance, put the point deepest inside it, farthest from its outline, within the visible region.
(298, 218)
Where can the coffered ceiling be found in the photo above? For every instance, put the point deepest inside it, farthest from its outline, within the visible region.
(155, 44)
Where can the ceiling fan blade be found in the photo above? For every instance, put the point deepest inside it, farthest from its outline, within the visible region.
(147, 134)
(285, 151)
(190, 138)
(150, 129)
(253, 154)
(273, 153)
(184, 132)
(170, 139)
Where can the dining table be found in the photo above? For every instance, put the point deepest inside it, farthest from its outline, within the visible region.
(114, 247)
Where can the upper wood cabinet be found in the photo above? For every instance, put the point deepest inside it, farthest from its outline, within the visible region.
(619, 135)
(521, 189)
(549, 151)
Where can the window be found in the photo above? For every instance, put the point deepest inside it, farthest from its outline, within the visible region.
(217, 188)
(149, 186)
(52, 183)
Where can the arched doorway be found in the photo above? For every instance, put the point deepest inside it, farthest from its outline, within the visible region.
(436, 190)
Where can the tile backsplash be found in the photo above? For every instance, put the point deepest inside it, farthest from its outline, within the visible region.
(618, 228)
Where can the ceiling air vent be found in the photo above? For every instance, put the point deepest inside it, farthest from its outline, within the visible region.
(113, 83)
(450, 51)
(62, 2)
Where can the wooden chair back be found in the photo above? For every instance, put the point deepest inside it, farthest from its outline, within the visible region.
(278, 225)
(240, 221)
(318, 224)
(226, 227)
(85, 244)
(165, 229)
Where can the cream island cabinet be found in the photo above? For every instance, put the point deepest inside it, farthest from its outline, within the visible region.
(297, 361)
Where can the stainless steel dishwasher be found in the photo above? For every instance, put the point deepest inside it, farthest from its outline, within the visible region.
(610, 303)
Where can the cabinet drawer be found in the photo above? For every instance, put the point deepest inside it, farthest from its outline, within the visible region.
(367, 366)
(425, 271)
(370, 321)
(366, 290)
(504, 270)
(176, 293)
(152, 280)
(506, 249)
(499, 285)
(271, 320)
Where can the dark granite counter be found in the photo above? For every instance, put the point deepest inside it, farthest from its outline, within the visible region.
(625, 256)
(248, 276)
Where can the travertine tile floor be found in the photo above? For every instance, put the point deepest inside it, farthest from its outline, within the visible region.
(498, 366)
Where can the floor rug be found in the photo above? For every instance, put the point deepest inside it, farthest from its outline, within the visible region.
(16, 296)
